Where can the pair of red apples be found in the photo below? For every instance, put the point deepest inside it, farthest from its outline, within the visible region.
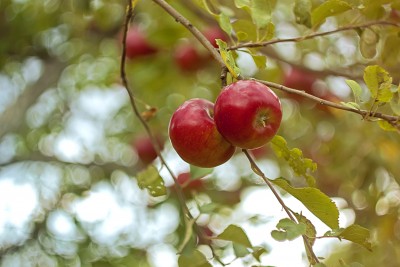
(247, 114)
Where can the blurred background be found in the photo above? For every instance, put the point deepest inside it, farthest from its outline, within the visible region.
(71, 147)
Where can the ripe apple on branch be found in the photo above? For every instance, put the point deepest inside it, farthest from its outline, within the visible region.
(247, 114)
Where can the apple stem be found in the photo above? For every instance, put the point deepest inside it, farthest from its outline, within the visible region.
(260, 173)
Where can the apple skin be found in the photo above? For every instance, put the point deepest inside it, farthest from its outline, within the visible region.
(300, 80)
(137, 44)
(260, 152)
(214, 33)
(248, 114)
(187, 58)
(145, 149)
(184, 180)
(195, 137)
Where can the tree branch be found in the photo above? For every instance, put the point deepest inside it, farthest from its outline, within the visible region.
(347, 72)
(196, 33)
(136, 111)
(364, 113)
(314, 35)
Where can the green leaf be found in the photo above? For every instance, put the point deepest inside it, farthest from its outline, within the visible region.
(379, 83)
(294, 157)
(356, 89)
(288, 230)
(368, 51)
(261, 61)
(327, 9)
(193, 259)
(279, 235)
(261, 11)
(235, 234)
(315, 201)
(208, 208)
(240, 250)
(357, 234)
(197, 172)
(225, 23)
(258, 251)
(310, 228)
(302, 12)
(204, 4)
(354, 233)
(373, 12)
(386, 126)
(266, 33)
(370, 37)
(395, 103)
(390, 51)
(310, 232)
(81, 6)
(242, 3)
(228, 58)
(245, 30)
(152, 181)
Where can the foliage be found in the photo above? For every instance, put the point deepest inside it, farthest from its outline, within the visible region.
(70, 111)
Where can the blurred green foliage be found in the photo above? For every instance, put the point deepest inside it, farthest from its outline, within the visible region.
(66, 128)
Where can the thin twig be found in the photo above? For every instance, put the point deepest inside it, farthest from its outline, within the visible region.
(343, 72)
(260, 173)
(313, 35)
(154, 141)
(196, 33)
(363, 113)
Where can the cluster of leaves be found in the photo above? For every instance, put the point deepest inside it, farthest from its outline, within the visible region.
(251, 24)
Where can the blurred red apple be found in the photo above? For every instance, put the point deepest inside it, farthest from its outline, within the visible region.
(300, 80)
(184, 180)
(394, 15)
(205, 235)
(214, 33)
(137, 44)
(195, 137)
(248, 114)
(326, 95)
(145, 149)
(259, 152)
(188, 58)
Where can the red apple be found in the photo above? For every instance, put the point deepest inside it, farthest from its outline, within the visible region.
(137, 44)
(394, 15)
(326, 95)
(188, 58)
(189, 184)
(248, 114)
(145, 149)
(300, 80)
(195, 137)
(259, 152)
(214, 33)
